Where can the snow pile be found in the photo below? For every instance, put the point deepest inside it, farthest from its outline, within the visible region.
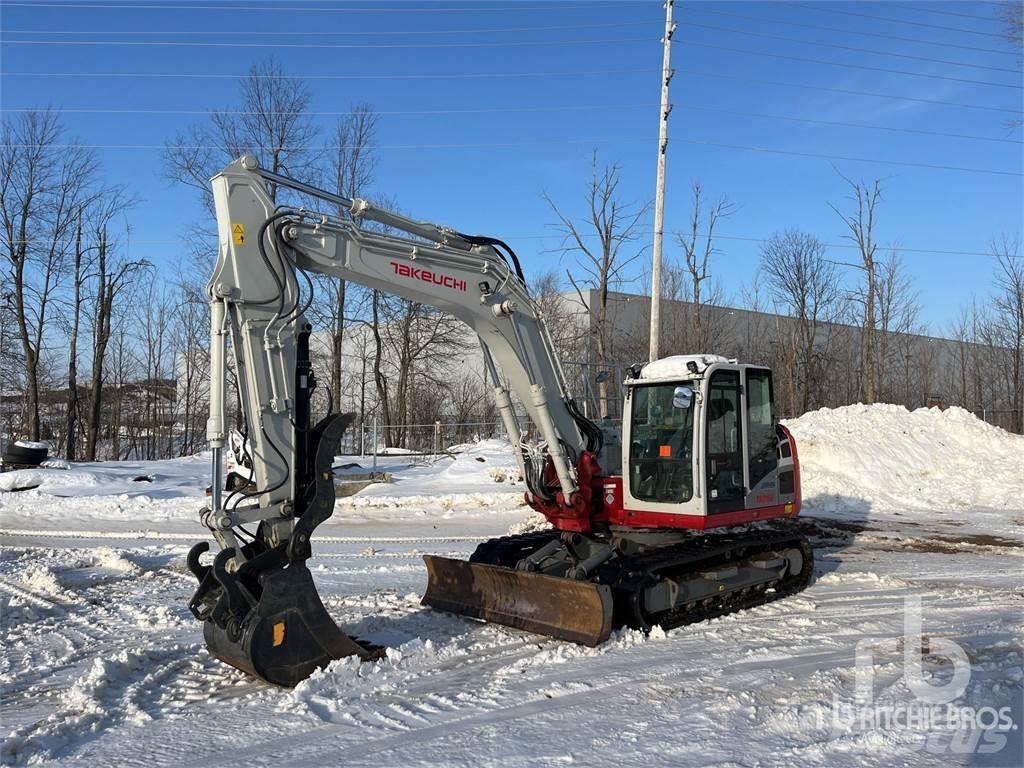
(171, 478)
(888, 458)
(494, 457)
(474, 480)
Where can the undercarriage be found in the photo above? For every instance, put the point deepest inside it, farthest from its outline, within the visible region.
(579, 587)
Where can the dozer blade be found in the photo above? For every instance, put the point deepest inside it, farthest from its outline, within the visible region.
(287, 635)
(577, 611)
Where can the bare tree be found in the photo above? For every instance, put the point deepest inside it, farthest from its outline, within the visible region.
(420, 344)
(44, 181)
(861, 226)
(697, 250)
(71, 416)
(803, 282)
(271, 121)
(353, 166)
(897, 317)
(599, 241)
(111, 275)
(380, 378)
(1009, 316)
(563, 323)
(960, 333)
(192, 367)
(1012, 15)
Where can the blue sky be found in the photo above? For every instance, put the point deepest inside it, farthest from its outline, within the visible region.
(731, 88)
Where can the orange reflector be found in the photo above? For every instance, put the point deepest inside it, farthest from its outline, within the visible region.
(665, 451)
(278, 633)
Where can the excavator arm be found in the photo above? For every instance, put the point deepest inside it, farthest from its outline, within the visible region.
(260, 609)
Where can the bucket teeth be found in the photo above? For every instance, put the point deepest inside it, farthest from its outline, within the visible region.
(577, 611)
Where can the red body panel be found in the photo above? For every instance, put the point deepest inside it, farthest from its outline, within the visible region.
(600, 501)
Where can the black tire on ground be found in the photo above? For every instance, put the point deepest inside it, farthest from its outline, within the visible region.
(19, 454)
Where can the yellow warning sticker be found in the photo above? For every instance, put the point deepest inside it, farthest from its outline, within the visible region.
(238, 234)
(278, 633)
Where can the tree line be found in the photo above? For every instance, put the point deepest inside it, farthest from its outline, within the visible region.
(105, 356)
(838, 326)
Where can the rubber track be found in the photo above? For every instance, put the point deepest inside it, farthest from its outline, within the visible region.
(679, 560)
(629, 575)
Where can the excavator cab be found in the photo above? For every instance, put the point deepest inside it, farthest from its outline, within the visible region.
(704, 448)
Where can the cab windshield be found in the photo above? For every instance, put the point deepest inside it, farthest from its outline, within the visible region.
(661, 443)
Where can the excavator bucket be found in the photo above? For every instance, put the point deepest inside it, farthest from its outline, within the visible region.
(265, 617)
(577, 611)
(287, 635)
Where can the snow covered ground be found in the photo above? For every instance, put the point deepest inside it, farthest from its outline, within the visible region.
(102, 664)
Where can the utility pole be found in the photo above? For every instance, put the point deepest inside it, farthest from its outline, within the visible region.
(659, 195)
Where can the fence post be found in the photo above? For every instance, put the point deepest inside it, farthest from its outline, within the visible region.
(375, 442)
(437, 439)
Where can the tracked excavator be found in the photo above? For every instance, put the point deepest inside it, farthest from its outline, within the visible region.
(631, 506)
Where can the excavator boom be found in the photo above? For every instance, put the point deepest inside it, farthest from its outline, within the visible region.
(257, 599)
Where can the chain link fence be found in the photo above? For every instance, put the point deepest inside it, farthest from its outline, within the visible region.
(434, 439)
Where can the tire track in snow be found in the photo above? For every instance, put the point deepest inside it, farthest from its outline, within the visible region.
(436, 708)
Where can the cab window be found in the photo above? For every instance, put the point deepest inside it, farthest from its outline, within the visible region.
(661, 443)
(763, 445)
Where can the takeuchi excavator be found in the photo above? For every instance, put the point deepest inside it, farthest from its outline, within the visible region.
(630, 505)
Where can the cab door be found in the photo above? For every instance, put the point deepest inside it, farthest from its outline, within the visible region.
(724, 443)
(762, 440)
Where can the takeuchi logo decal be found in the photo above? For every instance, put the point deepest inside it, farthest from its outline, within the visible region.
(428, 276)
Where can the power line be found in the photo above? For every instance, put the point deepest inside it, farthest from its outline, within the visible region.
(819, 7)
(304, 46)
(487, 44)
(361, 76)
(846, 31)
(554, 235)
(543, 143)
(204, 7)
(850, 66)
(521, 109)
(343, 113)
(841, 124)
(899, 249)
(873, 51)
(495, 75)
(920, 7)
(823, 156)
(330, 33)
(849, 91)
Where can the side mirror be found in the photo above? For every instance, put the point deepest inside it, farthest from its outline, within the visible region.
(682, 397)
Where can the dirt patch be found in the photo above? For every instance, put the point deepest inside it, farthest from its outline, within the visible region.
(843, 531)
(981, 540)
(949, 545)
